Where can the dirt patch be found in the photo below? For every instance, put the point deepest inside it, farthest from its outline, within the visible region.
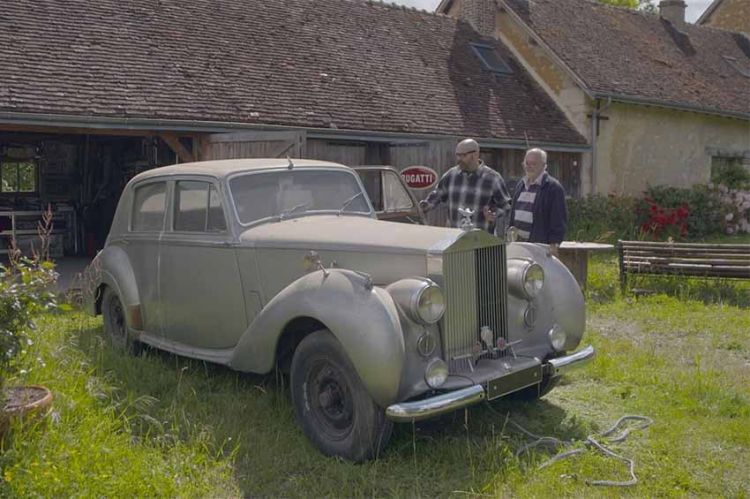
(682, 347)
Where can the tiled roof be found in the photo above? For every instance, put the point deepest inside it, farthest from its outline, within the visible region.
(628, 53)
(327, 63)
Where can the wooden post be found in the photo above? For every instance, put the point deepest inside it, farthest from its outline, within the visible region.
(623, 274)
(182, 152)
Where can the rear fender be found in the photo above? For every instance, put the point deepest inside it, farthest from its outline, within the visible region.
(111, 267)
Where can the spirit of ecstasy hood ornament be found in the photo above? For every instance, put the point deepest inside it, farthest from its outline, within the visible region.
(467, 219)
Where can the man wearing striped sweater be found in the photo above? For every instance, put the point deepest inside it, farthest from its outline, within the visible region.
(539, 214)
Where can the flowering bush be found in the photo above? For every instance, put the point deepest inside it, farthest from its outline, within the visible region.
(25, 291)
(706, 210)
(738, 218)
(664, 223)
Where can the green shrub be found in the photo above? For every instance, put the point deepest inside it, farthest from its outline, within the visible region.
(25, 291)
(706, 210)
(732, 174)
(602, 218)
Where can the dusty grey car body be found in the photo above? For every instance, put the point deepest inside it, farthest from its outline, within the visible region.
(246, 295)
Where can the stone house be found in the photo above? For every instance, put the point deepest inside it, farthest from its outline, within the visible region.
(732, 15)
(661, 101)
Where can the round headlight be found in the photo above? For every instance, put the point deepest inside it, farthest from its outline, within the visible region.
(436, 373)
(557, 337)
(430, 304)
(533, 280)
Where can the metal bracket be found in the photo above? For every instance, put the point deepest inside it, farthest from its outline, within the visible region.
(313, 262)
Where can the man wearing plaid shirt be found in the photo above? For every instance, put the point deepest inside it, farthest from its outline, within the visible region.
(474, 186)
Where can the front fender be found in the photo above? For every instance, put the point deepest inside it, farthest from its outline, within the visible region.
(111, 267)
(561, 301)
(363, 318)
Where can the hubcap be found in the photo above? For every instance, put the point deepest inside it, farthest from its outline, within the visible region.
(117, 322)
(331, 400)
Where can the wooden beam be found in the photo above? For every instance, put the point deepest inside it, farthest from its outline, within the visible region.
(182, 152)
(75, 131)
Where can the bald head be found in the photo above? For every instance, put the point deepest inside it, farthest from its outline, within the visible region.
(467, 145)
(467, 154)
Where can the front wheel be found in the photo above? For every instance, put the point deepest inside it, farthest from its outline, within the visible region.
(331, 403)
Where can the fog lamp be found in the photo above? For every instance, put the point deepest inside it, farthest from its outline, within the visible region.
(557, 337)
(436, 373)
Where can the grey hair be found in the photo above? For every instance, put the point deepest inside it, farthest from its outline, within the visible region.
(541, 152)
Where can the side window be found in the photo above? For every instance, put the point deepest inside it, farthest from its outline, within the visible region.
(197, 208)
(372, 182)
(149, 207)
(395, 194)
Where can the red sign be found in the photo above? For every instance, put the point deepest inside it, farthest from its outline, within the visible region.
(419, 177)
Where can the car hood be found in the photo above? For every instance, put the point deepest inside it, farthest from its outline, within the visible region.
(350, 233)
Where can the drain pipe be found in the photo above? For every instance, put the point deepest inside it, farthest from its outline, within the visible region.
(594, 135)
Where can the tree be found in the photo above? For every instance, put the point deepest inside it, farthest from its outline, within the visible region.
(631, 4)
(644, 5)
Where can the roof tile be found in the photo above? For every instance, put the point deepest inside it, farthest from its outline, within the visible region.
(325, 63)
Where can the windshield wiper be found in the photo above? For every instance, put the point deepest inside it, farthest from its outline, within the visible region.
(291, 210)
(349, 201)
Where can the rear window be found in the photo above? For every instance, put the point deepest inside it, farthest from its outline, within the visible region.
(148, 207)
(197, 208)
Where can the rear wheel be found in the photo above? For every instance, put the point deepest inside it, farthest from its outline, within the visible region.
(331, 404)
(115, 323)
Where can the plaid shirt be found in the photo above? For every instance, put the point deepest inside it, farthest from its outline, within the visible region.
(473, 190)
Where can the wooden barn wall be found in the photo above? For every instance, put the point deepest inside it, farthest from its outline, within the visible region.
(436, 154)
(347, 153)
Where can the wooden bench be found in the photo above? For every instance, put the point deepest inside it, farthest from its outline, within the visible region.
(728, 261)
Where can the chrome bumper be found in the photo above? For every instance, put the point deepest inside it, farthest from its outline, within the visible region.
(406, 412)
(560, 365)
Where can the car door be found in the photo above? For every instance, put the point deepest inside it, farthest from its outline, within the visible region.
(200, 287)
(141, 243)
(390, 197)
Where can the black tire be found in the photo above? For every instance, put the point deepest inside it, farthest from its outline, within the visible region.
(331, 404)
(115, 323)
(531, 393)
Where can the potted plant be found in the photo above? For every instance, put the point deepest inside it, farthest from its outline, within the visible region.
(26, 290)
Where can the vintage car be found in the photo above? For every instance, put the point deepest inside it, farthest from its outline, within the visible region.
(270, 264)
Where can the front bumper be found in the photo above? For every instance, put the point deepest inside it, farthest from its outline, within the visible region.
(405, 412)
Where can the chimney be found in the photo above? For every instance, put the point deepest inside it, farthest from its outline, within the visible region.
(480, 14)
(673, 11)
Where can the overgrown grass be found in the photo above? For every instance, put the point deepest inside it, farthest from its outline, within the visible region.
(159, 425)
(107, 434)
(604, 285)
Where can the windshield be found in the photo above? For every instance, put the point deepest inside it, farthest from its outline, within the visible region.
(287, 193)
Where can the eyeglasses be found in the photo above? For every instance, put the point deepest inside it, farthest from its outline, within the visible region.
(531, 164)
(462, 154)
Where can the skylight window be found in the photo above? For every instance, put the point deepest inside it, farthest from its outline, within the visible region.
(490, 58)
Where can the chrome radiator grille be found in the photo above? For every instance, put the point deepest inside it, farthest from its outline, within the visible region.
(475, 290)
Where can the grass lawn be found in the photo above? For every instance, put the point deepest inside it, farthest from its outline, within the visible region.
(159, 425)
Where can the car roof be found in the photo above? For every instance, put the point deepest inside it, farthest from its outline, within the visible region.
(223, 168)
